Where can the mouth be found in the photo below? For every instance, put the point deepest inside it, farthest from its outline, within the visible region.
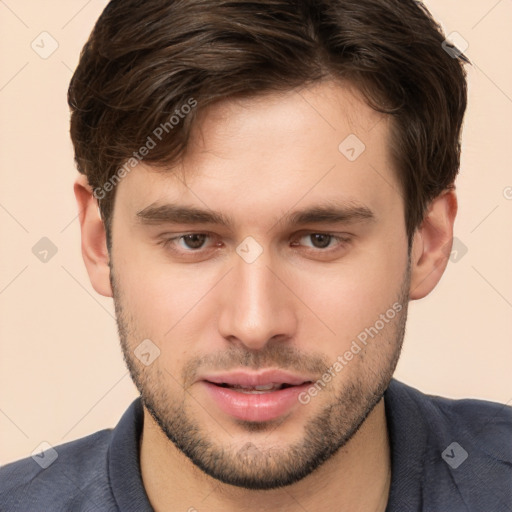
(255, 397)
(266, 388)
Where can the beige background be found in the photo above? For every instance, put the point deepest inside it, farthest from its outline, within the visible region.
(61, 371)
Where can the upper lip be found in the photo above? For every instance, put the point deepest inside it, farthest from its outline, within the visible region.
(242, 378)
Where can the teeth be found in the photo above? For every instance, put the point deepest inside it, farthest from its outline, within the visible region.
(256, 389)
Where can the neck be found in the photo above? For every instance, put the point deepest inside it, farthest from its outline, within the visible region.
(356, 479)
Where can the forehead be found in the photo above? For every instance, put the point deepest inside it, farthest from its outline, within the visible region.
(274, 151)
(301, 116)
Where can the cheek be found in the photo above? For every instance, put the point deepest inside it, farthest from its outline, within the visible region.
(351, 296)
(163, 299)
(170, 301)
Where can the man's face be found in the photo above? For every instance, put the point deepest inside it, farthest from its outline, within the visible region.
(286, 298)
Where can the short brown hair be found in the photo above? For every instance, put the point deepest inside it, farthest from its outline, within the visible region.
(144, 61)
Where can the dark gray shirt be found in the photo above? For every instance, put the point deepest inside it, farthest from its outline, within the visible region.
(447, 456)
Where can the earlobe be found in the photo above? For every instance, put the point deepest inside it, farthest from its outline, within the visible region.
(94, 245)
(432, 244)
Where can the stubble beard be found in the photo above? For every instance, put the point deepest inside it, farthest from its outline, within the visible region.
(250, 466)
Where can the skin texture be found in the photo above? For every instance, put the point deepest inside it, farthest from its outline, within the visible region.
(298, 306)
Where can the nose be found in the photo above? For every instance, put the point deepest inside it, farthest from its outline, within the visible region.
(257, 305)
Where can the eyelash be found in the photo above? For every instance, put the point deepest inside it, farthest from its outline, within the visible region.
(342, 242)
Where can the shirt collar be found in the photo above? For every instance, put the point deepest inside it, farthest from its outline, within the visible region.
(408, 444)
(124, 462)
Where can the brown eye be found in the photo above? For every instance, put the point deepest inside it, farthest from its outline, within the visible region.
(320, 240)
(320, 244)
(194, 240)
(187, 243)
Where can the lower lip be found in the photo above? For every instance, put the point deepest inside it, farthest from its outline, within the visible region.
(255, 406)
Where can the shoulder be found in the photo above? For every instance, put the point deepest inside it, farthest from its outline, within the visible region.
(488, 423)
(60, 477)
(465, 448)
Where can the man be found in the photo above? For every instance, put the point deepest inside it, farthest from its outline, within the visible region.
(264, 186)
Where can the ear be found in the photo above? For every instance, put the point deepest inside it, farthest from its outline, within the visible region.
(94, 240)
(432, 244)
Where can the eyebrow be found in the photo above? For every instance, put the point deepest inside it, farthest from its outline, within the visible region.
(327, 213)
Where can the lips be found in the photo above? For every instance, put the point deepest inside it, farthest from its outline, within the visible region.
(254, 405)
(253, 397)
(267, 381)
(274, 386)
